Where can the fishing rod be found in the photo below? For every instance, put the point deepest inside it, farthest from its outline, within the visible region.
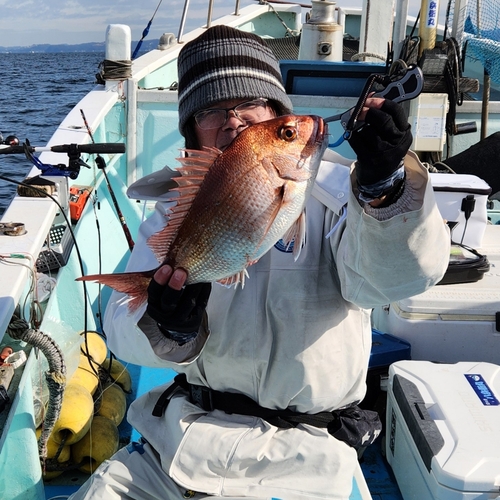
(146, 31)
(102, 148)
(101, 164)
(74, 151)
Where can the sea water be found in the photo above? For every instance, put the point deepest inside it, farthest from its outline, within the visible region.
(37, 91)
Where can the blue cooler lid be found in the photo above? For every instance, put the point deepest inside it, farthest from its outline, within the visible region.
(387, 348)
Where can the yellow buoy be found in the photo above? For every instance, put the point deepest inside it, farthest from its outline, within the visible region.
(99, 444)
(52, 449)
(76, 414)
(86, 377)
(119, 374)
(112, 403)
(96, 348)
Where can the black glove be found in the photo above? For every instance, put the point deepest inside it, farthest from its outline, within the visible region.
(179, 311)
(381, 144)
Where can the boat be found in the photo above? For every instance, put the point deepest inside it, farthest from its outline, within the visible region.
(126, 128)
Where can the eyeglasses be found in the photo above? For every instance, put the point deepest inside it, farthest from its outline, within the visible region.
(248, 111)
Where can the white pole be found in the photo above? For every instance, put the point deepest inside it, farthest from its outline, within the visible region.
(459, 13)
(376, 28)
(400, 22)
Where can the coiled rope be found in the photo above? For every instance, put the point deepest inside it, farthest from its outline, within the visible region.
(114, 70)
(19, 329)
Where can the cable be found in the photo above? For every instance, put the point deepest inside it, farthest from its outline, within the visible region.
(99, 260)
(468, 205)
(447, 19)
(77, 249)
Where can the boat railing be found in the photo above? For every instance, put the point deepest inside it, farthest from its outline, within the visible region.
(209, 16)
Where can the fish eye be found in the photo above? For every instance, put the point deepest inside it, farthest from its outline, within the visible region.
(287, 133)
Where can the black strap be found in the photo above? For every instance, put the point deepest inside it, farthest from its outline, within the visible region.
(230, 402)
(164, 399)
(349, 424)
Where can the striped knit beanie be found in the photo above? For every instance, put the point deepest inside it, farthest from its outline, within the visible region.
(225, 63)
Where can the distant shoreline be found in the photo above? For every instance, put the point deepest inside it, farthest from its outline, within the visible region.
(46, 48)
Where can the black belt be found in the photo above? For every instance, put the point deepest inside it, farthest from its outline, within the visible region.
(350, 425)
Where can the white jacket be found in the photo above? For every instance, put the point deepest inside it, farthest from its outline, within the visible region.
(297, 336)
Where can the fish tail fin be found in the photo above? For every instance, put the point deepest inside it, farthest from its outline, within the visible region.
(133, 284)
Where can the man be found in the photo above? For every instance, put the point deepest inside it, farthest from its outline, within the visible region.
(264, 364)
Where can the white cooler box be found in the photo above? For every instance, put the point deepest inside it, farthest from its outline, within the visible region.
(443, 430)
(450, 323)
(456, 192)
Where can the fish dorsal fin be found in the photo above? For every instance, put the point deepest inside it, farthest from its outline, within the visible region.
(193, 171)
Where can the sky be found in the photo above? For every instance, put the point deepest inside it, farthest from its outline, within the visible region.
(29, 22)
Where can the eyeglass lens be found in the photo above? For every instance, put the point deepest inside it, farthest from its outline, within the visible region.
(246, 112)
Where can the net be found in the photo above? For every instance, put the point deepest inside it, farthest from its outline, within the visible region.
(482, 35)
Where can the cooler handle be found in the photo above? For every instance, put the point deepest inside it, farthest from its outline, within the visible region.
(423, 429)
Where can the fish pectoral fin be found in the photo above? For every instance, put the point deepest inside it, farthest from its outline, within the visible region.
(235, 280)
(277, 205)
(297, 234)
(282, 197)
(135, 285)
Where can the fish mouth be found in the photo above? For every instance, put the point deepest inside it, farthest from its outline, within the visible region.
(318, 142)
(321, 130)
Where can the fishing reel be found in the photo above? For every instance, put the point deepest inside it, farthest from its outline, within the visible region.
(72, 170)
(10, 140)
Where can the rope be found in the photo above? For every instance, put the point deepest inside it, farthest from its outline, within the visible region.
(289, 32)
(434, 167)
(359, 55)
(114, 70)
(52, 465)
(19, 329)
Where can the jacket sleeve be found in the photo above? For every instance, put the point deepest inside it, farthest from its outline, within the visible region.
(135, 337)
(387, 254)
